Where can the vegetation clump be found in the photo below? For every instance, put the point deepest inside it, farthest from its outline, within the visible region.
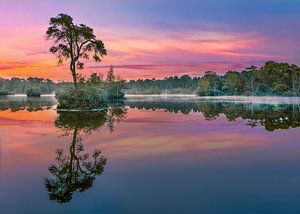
(82, 98)
(4, 92)
(17, 85)
(113, 86)
(33, 92)
(93, 93)
(169, 85)
(279, 79)
(74, 43)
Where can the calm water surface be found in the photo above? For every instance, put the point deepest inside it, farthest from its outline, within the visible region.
(150, 156)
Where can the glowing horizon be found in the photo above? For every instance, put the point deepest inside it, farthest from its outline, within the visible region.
(162, 40)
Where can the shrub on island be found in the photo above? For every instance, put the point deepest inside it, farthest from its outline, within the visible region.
(81, 98)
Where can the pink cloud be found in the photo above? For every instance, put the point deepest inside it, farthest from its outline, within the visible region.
(142, 53)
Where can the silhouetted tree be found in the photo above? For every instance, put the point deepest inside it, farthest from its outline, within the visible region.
(74, 42)
(73, 172)
(76, 170)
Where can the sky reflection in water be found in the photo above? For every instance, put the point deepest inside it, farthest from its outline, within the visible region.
(157, 156)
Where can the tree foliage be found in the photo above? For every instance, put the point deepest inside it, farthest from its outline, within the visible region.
(92, 93)
(74, 42)
(169, 85)
(17, 85)
(273, 78)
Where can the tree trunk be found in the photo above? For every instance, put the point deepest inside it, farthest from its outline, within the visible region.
(252, 86)
(74, 79)
(73, 71)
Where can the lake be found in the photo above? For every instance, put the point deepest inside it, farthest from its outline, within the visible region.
(150, 155)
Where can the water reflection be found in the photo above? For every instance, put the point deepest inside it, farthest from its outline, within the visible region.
(272, 117)
(211, 157)
(29, 104)
(75, 170)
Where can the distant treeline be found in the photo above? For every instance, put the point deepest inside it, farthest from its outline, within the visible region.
(22, 86)
(272, 79)
(169, 85)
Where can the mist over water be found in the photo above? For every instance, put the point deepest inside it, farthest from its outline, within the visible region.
(245, 99)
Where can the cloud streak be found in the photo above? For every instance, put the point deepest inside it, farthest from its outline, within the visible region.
(157, 38)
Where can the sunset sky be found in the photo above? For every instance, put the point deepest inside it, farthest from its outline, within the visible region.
(156, 38)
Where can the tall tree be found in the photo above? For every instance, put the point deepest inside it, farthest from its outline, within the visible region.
(73, 42)
(248, 78)
(209, 84)
(232, 85)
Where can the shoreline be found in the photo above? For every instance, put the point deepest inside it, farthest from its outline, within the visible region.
(239, 99)
(190, 98)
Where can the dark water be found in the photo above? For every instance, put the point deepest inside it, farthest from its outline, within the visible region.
(159, 156)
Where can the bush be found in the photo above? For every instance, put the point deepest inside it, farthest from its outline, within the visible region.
(82, 98)
(33, 92)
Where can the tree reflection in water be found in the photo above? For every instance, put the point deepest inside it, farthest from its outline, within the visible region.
(76, 170)
(272, 117)
(31, 104)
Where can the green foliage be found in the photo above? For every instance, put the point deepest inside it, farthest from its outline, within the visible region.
(33, 92)
(4, 92)
(114, 86)
(74, 42)
(209, 85)
(169, 85)
(92, 93)
(273, 79)
(95, 79)
(21, 86)
(281, 79)
(82, 98)
(110, 75)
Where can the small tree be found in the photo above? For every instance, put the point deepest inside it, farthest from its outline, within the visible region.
(73, 42)
(115, 85)
(253, 71)
(110, 77)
